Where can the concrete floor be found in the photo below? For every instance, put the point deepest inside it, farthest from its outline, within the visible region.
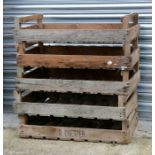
(141, 143)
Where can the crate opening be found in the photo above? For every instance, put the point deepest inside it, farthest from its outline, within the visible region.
(74, 122)
(70, 98)
(75, 74)
(76, 50)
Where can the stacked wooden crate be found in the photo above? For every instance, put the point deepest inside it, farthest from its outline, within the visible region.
(82, 93)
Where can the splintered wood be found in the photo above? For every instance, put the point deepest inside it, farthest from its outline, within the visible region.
(81, 93)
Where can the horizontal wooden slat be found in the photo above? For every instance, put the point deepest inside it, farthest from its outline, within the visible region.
(74, 61)
(81, 26)
(61, 110)
(68, 133)
(71, 35)
(75, 110)
(79, 86)
(77, 133)
(76, 86)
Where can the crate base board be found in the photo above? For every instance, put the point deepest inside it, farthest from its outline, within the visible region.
(78, 134)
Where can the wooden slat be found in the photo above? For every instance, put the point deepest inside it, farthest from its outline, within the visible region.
(72, 36)
(76, 86)
(79, 86)
(74, 61)
(61, 110)
(133, 32)
(74, 110)
(135, 57)
(30, 18)
(132, 17)
(132, 127)
(81, 26)
(71, 133)
(78, 134)
(134, 81)
(131, 105)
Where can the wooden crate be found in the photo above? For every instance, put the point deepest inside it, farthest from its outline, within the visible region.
(125, 31)
(77, 57)
(124, 57)
(78, 129)
(105, 76)
(75, 105)
(78, 83)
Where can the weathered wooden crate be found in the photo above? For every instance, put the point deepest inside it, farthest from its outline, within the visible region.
(125, 31)
(75, 105)
(78, 57)
(101, 80)
(124, 57)
(92, 81)
(77, 129)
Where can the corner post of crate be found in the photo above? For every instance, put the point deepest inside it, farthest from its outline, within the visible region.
(131, 19)
(36, 17)
(23, 119)
(40, 25)
(18, 98)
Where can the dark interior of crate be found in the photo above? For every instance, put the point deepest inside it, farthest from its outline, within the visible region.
(76, 74)
(70, 98)
(77, 50)
(74, 122)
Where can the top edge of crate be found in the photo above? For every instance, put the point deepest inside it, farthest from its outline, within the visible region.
(126, 30)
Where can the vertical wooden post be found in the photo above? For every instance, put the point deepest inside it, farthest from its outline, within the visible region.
(23, 119)
(135, 44)
(124, 73)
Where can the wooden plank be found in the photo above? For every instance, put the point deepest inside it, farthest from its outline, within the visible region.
(131, 105)
(72, 133)
(23, 119)
(70, 110)
(135, 57)
(132, 127)
(81, 26)
(30, 18)
(74, 61)
(134, 81)
(76, 86)
(133, 32)
(133, 17)
(21, 48)
(20, 72)
(80, 86)
(71, 36)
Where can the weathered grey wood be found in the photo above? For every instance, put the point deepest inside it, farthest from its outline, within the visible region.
(135, 57)
(61, 110)
(131, 105)
(80, 86)
(132, 17)
(133, 32)
(134, 81)
(72, 36)
(76, 86)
